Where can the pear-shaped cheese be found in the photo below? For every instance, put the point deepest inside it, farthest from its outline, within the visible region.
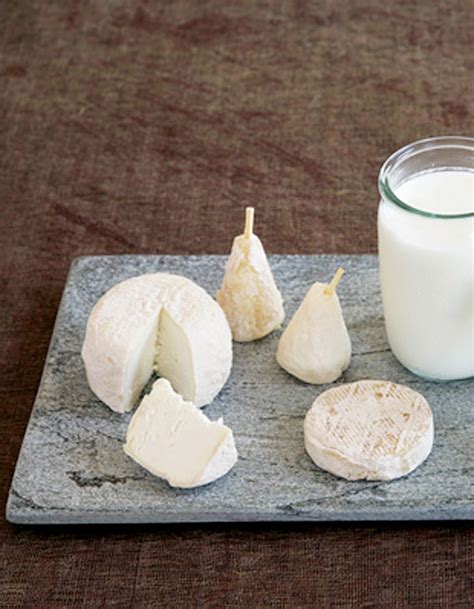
(156, 322)
(249, 296)
(174, 440)
(373, 430)
(315, 347)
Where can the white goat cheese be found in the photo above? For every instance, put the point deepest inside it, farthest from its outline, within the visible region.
(175, 440)
(373, 430)
(156, 322)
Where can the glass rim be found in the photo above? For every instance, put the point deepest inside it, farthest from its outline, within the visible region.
(446, 141)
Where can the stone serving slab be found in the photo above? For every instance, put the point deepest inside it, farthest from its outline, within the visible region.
(72, 469)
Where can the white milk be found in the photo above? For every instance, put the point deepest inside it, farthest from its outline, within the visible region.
(427, 275)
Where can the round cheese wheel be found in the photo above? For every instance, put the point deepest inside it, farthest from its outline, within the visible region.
(373, 430)
(158, 322)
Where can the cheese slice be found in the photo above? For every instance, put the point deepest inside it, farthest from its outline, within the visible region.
(374, 430)
(158, 322)
(174, 440)
(249, 295)
(315, 346)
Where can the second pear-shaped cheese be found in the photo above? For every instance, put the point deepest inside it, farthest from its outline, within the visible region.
(156, 322)
(315, 347)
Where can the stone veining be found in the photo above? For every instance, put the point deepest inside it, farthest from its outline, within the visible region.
(72, 468)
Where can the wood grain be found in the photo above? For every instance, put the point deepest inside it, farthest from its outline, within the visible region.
(140, 127)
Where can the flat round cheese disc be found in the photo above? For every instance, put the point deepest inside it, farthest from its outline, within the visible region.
(372, 430)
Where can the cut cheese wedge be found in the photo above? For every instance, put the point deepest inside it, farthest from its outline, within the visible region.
(248, 294)
(157, 322)
(174, 440)
(315, 346)
(373, 430)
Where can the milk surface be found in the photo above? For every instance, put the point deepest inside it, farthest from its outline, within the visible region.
(427, 275)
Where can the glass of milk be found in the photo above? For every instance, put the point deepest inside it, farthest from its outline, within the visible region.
(426, 256)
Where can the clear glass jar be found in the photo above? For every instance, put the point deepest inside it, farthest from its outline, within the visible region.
(426, 256)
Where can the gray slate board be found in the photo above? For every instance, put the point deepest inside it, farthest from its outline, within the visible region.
(72, 468)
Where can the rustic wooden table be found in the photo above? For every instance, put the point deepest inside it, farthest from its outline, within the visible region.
(146, 127)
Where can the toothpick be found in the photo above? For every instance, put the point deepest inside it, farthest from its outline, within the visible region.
(249, 212)
(331, 288)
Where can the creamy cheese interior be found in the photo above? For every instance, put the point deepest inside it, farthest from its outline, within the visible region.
(164, 348)
(140, 366)
(173, 356)
(174, 440)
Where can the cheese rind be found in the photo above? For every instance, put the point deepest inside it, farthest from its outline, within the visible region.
(248, 294)
(174, 440)
(156, 321)
(315, 346)
(373, 430)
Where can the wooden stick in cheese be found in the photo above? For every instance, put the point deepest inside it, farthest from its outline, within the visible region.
(331, 288)
(249, 216)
